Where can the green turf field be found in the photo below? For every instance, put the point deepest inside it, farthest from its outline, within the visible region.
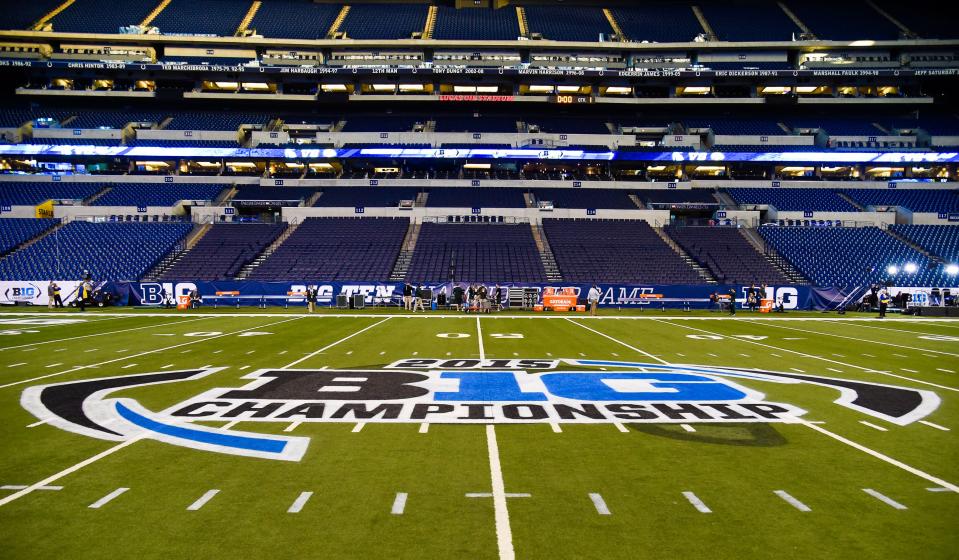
(612, 469)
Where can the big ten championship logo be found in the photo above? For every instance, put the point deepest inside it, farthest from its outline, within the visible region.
(788, 295)
(451, 391)
(153, 293)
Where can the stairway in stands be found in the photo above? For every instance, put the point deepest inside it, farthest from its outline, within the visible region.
(167, 262)
(702, 272)
(771, 256)
(546, 255)
(248, 269)
(403, 260)
(849, 199)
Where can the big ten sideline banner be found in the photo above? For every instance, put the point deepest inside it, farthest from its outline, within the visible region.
(233, 293)
(35, 292)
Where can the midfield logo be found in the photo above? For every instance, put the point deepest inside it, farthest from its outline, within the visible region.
(450, 391)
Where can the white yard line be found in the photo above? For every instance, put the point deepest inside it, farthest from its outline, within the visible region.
(65, 472)
(697, 503)
(300, 501)
(61, 340)
(791, 501)
(882, 457)
(945, 370)
(332, 344)
(798, 353)
(688, 428)
(600, 504)
(621, 427)
(39, 423)
(292, 426)
(504, 535)
(557, 429)
(358, 427)
(108, 498)
(18, 364)
(424, 427)
(884, 499)
(148, 352)
(203, 500)
(399, 503)
(479, 338)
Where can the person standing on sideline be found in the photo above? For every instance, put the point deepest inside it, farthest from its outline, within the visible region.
(751, 297)
(57, 299)
(418, 299)
(732, 302)
(884, 301)
(311, 294)
(498, 297)
(408, 297)
(593, 299)
(83, 292)
(50, 292)
(470, 297)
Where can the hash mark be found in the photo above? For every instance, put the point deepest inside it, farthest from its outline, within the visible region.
(697, 503)
(883, 498)
(688, 428)
(791, 501)
(399, 504)
(106, 499)
(202, 500)
(300, 501)
(600, 504)
(873, 426)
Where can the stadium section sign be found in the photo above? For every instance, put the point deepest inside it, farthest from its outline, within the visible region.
(449, 391)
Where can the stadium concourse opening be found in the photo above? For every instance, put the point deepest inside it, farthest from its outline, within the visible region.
(500, 280)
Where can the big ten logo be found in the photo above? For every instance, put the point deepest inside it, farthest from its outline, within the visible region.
(23, 293)
(152, 290)
(790, 296)
(372, 293)
(324, 292)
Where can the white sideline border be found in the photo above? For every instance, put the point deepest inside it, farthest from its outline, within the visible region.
(506, 315)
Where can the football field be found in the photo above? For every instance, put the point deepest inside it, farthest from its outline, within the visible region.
(152, 434)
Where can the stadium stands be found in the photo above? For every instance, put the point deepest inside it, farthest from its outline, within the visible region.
(381, 123)
(476, 253)
(201, 17)
(33, 193)
(329, 249)
(569, 125)
(915, 15)
(587, 198)
(744, 126)
(476, 24)
(366, 21)
(919, 200)
(941, 241)
(210, 120)
(25, 14)
(294, 19)
(849, 257)
(110, 251)
(821, 200)
(76, 141)
(658, 22)
(223, 251)
(476, 197)
(843, 21)
(727, 254)
(627, 251)
(767, 21)
(184, 143)
(364, 196)
(113, 119)
(477, 123)
(288, 195)
(14, 231)
(676, 196)
(837, 126)
(18, 117)
(154, 194)
(101, 16)
(568, 23)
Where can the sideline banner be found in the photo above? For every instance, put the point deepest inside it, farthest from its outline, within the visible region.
(384, 293)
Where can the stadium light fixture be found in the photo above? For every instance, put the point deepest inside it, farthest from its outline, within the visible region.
(892, 270)
(952, 269)
(910, 268)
